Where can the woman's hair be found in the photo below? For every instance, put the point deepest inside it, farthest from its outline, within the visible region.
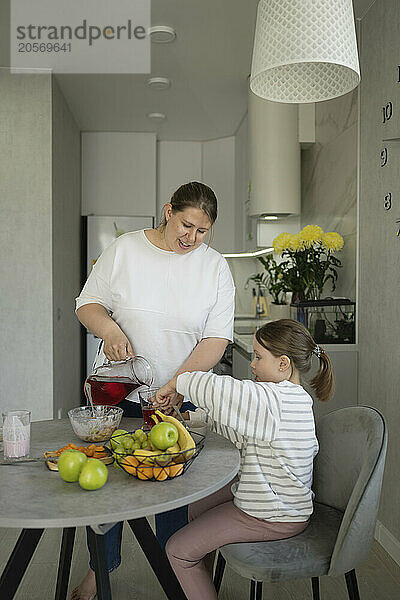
(292, 339)
(195, 195)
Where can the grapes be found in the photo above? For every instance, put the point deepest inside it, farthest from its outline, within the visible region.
(140, 435)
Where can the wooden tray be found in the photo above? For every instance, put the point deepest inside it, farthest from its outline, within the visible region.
(52, 459)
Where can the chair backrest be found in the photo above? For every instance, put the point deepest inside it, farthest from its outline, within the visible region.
(348, 473)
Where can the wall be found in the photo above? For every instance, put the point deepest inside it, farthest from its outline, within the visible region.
(66, 205)
(25, 244)
(241, 186)
(329, 182)
(379, 267)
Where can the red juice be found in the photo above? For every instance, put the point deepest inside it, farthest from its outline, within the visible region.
(101, 390)
(147, 411)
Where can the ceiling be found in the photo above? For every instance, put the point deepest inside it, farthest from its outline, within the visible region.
(208, 65)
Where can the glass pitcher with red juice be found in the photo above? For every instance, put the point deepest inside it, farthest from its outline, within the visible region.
(113, 381)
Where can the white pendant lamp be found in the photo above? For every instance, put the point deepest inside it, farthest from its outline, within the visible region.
(304, 50)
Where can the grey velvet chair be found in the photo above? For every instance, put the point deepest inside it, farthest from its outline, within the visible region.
(348, 474)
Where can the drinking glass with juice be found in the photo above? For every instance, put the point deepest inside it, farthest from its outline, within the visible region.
(147, 407)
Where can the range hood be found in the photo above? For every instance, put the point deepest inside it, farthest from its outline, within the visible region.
(274, 156)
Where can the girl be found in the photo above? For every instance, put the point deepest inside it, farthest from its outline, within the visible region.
(271, 421)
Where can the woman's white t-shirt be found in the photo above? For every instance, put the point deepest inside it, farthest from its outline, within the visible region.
(164, 302)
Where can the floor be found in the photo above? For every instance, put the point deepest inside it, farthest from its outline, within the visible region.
(379, 577)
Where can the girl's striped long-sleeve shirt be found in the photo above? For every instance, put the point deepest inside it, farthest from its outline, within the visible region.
(272, 424)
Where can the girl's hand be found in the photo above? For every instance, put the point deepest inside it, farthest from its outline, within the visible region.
(167, 396)
(116, 345)
(178, 401)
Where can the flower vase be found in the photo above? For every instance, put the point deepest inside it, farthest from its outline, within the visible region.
(298, 313)
(298, 297)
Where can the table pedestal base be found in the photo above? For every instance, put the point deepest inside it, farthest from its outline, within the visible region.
(29, 539)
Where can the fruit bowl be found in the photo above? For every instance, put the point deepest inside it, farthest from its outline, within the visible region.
(95, 424)
(158, 467)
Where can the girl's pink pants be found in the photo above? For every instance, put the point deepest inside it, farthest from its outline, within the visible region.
(214, 522)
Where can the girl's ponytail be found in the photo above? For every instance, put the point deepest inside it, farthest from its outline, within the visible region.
(323, 383)
(292, 339)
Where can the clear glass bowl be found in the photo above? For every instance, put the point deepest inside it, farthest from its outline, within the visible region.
(95, 424)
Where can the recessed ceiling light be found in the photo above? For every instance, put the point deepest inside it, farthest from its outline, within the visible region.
(156, 115)
(161, 34)
(159, 83)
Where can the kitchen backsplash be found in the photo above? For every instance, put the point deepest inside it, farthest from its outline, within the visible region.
(241, 268)
(329, 181)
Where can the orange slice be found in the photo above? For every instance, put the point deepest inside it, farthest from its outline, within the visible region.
(161, 473)
(175, 470)
(144, 472)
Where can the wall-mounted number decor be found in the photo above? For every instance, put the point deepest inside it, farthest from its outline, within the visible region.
(387, 112)
(384, 157)
(387, 203)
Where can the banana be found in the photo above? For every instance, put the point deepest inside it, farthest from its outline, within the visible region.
(174, 449)
(146, 456)
(185, 440)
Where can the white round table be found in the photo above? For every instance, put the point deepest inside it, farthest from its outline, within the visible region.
(34, 498)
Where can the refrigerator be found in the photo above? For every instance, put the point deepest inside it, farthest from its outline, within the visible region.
(98, 233)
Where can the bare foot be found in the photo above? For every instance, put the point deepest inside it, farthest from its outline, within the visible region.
(86, 590)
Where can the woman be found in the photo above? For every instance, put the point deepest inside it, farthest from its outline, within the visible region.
(171, 298)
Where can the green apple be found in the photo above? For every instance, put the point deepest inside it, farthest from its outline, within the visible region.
(164, 435)
(93, 475)
(117, 437)
(70, 464)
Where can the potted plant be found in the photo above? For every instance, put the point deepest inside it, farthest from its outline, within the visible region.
(308, 261)
(273, 281)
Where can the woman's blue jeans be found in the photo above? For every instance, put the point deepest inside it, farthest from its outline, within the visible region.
(166, 523)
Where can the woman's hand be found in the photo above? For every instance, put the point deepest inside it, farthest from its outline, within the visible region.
(97, 320)
(116, 345)
(167, 397)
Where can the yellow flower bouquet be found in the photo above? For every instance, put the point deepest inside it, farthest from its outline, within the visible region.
(309, 262)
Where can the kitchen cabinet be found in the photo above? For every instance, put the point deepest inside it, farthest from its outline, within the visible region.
(119, 174)
(177, 163)
(241, 364)
(218, 172)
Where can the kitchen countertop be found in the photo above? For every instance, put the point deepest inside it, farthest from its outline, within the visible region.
(243, 330)
(244, 340)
